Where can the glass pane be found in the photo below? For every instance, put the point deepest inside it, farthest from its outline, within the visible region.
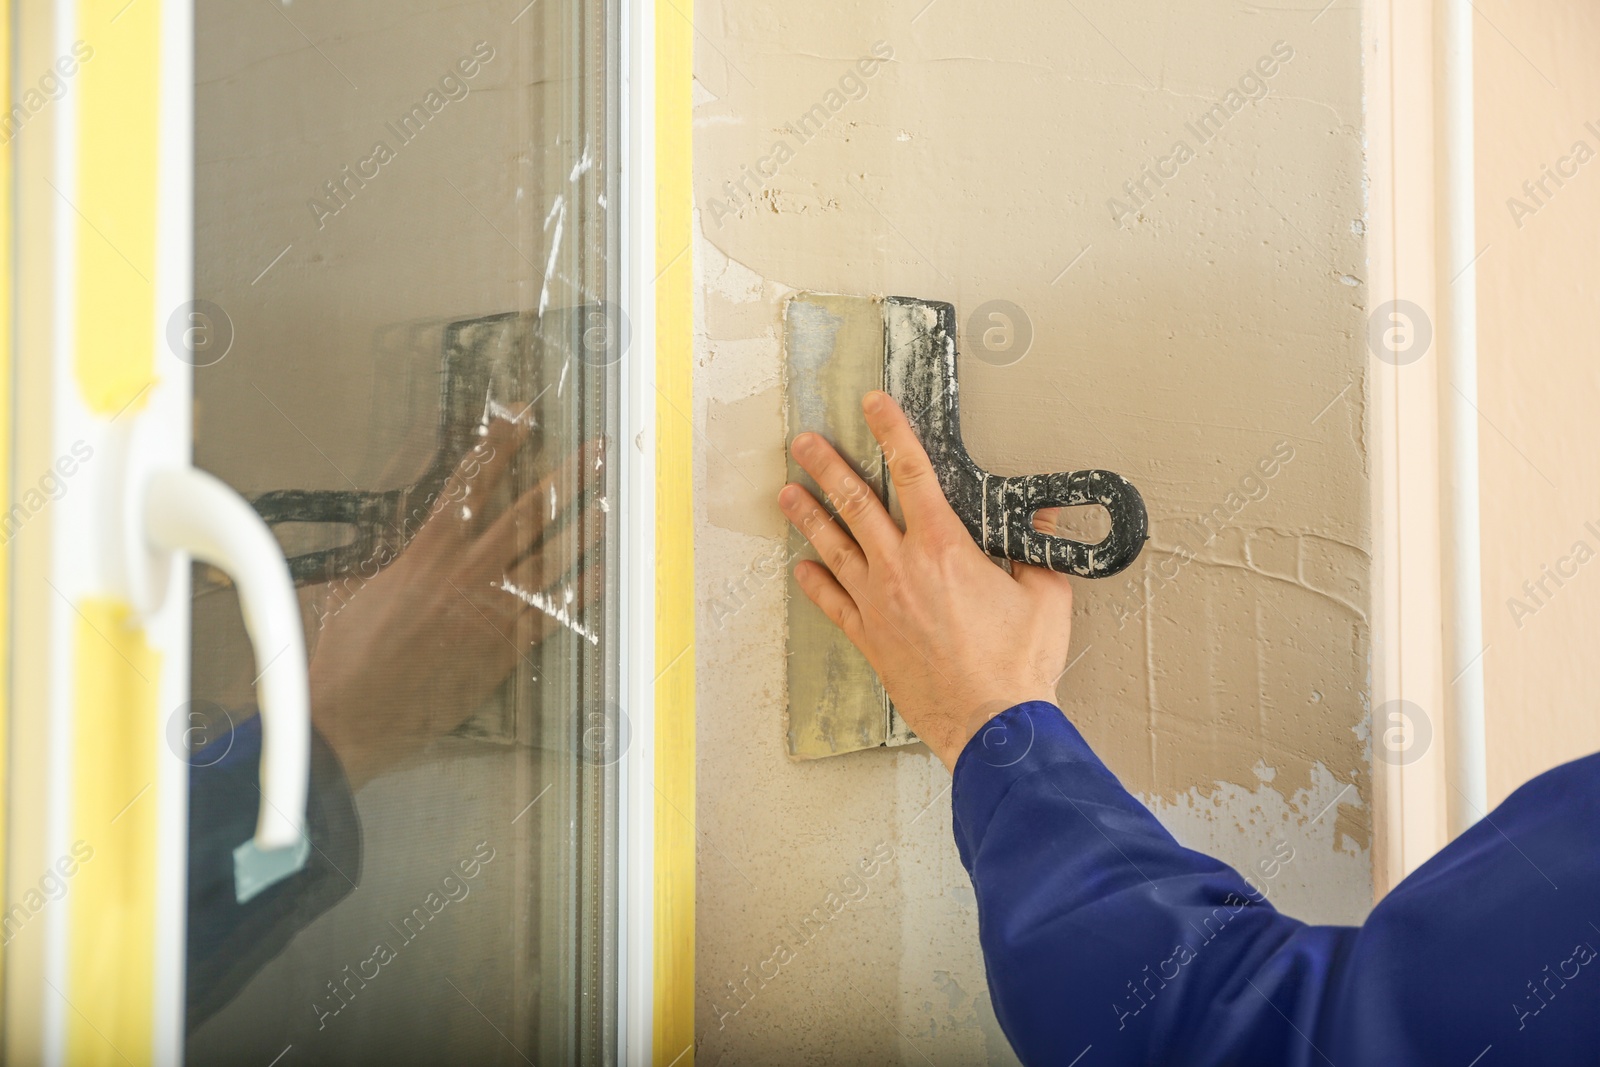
(406, 351)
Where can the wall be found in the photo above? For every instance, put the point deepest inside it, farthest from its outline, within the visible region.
(1191, 336)
(1539, 380)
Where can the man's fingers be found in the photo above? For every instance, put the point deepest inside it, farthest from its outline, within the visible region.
(475, 476)
(525, 521)
(856, 501)
(824, 590)
(914, 479)
(545, 615)
(1042, 580)
(560, 553)
(483, 468)
(836, 547)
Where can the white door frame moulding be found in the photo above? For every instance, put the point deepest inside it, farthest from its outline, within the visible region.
(1427, 673)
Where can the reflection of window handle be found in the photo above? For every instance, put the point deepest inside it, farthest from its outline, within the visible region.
(181, 509)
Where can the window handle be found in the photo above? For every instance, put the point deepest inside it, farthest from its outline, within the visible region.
(183, 510)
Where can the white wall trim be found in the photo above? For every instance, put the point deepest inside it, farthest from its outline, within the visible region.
(1409, 771)
(1468, 778)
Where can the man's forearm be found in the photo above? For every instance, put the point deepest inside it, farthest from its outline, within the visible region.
(1100, 930)
(229, 940)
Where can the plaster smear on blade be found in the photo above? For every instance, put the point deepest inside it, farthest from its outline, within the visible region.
(811, 345)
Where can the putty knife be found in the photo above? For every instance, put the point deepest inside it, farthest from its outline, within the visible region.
(836, 348)
(497, 359)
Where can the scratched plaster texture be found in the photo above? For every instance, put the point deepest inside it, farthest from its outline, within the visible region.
(1203, 335)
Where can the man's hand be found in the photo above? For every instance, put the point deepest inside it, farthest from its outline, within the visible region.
(954, 638)
(407, 655)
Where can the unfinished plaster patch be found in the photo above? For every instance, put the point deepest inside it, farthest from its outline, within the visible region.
(1308, 853)
(746, 459)
(738, 301)
(700, 95)
(746, 465)
(943, 999)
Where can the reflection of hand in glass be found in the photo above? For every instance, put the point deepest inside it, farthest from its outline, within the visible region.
(410, 653)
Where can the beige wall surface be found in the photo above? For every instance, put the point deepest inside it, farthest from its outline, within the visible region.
(1198, 326)
(1538, 104)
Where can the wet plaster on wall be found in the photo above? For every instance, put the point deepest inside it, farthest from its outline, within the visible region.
(1207, 345)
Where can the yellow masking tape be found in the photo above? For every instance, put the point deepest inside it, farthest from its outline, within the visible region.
(112, 887)
(7, 432)
(675, 599)
(118, 101)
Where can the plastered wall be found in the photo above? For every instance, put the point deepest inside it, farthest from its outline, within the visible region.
(1168, 201)
(1538, 104)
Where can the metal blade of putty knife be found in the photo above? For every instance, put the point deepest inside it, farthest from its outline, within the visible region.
(833, 355)
(836, 348)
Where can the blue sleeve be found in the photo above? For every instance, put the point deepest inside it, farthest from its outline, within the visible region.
(1106, 939)
(229, 941)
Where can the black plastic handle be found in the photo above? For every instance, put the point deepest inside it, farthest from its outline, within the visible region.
(1017, 500)
(920, 373)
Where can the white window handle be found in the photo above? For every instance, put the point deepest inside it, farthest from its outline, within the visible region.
(184, 510)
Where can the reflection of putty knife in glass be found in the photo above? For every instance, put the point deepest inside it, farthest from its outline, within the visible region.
(836, 348)
(482, 360)
(488, 364)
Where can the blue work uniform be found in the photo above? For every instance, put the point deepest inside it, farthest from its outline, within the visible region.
(1107, 942)
(229, 940)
